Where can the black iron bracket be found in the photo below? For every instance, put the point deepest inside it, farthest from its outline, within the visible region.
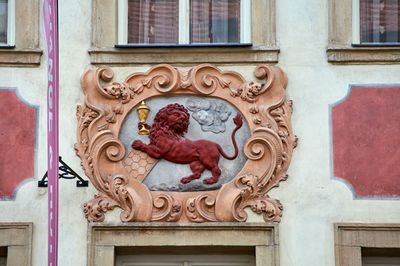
(66, 172)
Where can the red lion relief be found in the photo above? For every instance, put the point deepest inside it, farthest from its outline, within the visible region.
(167, 142)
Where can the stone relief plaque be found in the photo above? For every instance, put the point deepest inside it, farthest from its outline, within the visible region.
(188, 145)
(210, 119)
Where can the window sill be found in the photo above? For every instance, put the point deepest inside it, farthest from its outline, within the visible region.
(171, 45)
(388, 44)
(364, 55)
(183, 55)
(6, 46)
(20, 57)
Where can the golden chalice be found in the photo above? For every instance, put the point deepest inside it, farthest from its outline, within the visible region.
(143, 112)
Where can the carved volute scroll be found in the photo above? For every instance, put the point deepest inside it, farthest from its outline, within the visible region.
(268, 150)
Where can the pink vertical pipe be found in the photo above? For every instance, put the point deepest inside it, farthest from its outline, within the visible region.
(50, 10)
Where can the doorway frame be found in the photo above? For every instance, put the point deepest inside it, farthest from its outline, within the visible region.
(104, 239)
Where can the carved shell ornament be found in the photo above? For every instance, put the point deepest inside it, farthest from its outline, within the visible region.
(105, 158)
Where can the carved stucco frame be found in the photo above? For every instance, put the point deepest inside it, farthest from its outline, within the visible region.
(268, 150)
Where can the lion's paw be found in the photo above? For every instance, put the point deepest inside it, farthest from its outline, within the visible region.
(137, 145)
(185, 180)
(210, 181)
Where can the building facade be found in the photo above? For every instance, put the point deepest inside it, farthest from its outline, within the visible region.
(341, 196)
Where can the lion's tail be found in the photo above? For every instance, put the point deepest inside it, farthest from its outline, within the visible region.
(238, 120)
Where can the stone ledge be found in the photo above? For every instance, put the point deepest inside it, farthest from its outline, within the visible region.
(183, 55)
(20, 58)
(363, 55)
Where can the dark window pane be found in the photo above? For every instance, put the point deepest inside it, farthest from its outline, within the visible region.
(379, 21)
(153, 21)
(380, 256)
(215, 21)
(3, 21)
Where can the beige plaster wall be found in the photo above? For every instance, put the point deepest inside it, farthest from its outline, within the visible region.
(312, 200)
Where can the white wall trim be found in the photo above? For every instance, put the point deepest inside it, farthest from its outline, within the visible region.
(356, 21)
(245, 21)
(122, 22)
(184, 22)
(11, 23)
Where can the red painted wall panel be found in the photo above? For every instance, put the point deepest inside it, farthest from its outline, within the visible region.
(17, 142)
(366, 141)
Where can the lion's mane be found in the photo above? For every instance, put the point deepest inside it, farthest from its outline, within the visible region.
(162, 125)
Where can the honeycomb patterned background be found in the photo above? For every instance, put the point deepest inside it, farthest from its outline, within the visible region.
(139, 164)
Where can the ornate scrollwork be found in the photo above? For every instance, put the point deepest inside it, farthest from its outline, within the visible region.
(266, 72)
(163, 78)
(248, 91)
(85, 117)
(95, 209)
(166, 208)
(251, 196)
(115, 150)
(115, 90)
(120, 91)
(268, 150)
(201, 209)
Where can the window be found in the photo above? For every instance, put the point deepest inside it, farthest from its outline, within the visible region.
(111, 244)
(178, 34)
(367, 244)
(376, 22)
(191, 256)
(16, 244)
(7, 15)
(184, 22)
(364, 32)
(380, 256)
(3, 256)
(19, 38)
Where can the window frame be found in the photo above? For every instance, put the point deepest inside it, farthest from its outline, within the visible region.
(105, 239)
(356, 22)
(350, 238)
(17, 237)
(342, 47)
(355, 18)
(183, 25)
(104, 50)
(24, 50)
(10, 25)
(189, 259)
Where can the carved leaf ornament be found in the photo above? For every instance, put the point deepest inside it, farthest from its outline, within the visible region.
(268, 150)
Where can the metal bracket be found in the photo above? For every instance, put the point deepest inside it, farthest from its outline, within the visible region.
(66, 172)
